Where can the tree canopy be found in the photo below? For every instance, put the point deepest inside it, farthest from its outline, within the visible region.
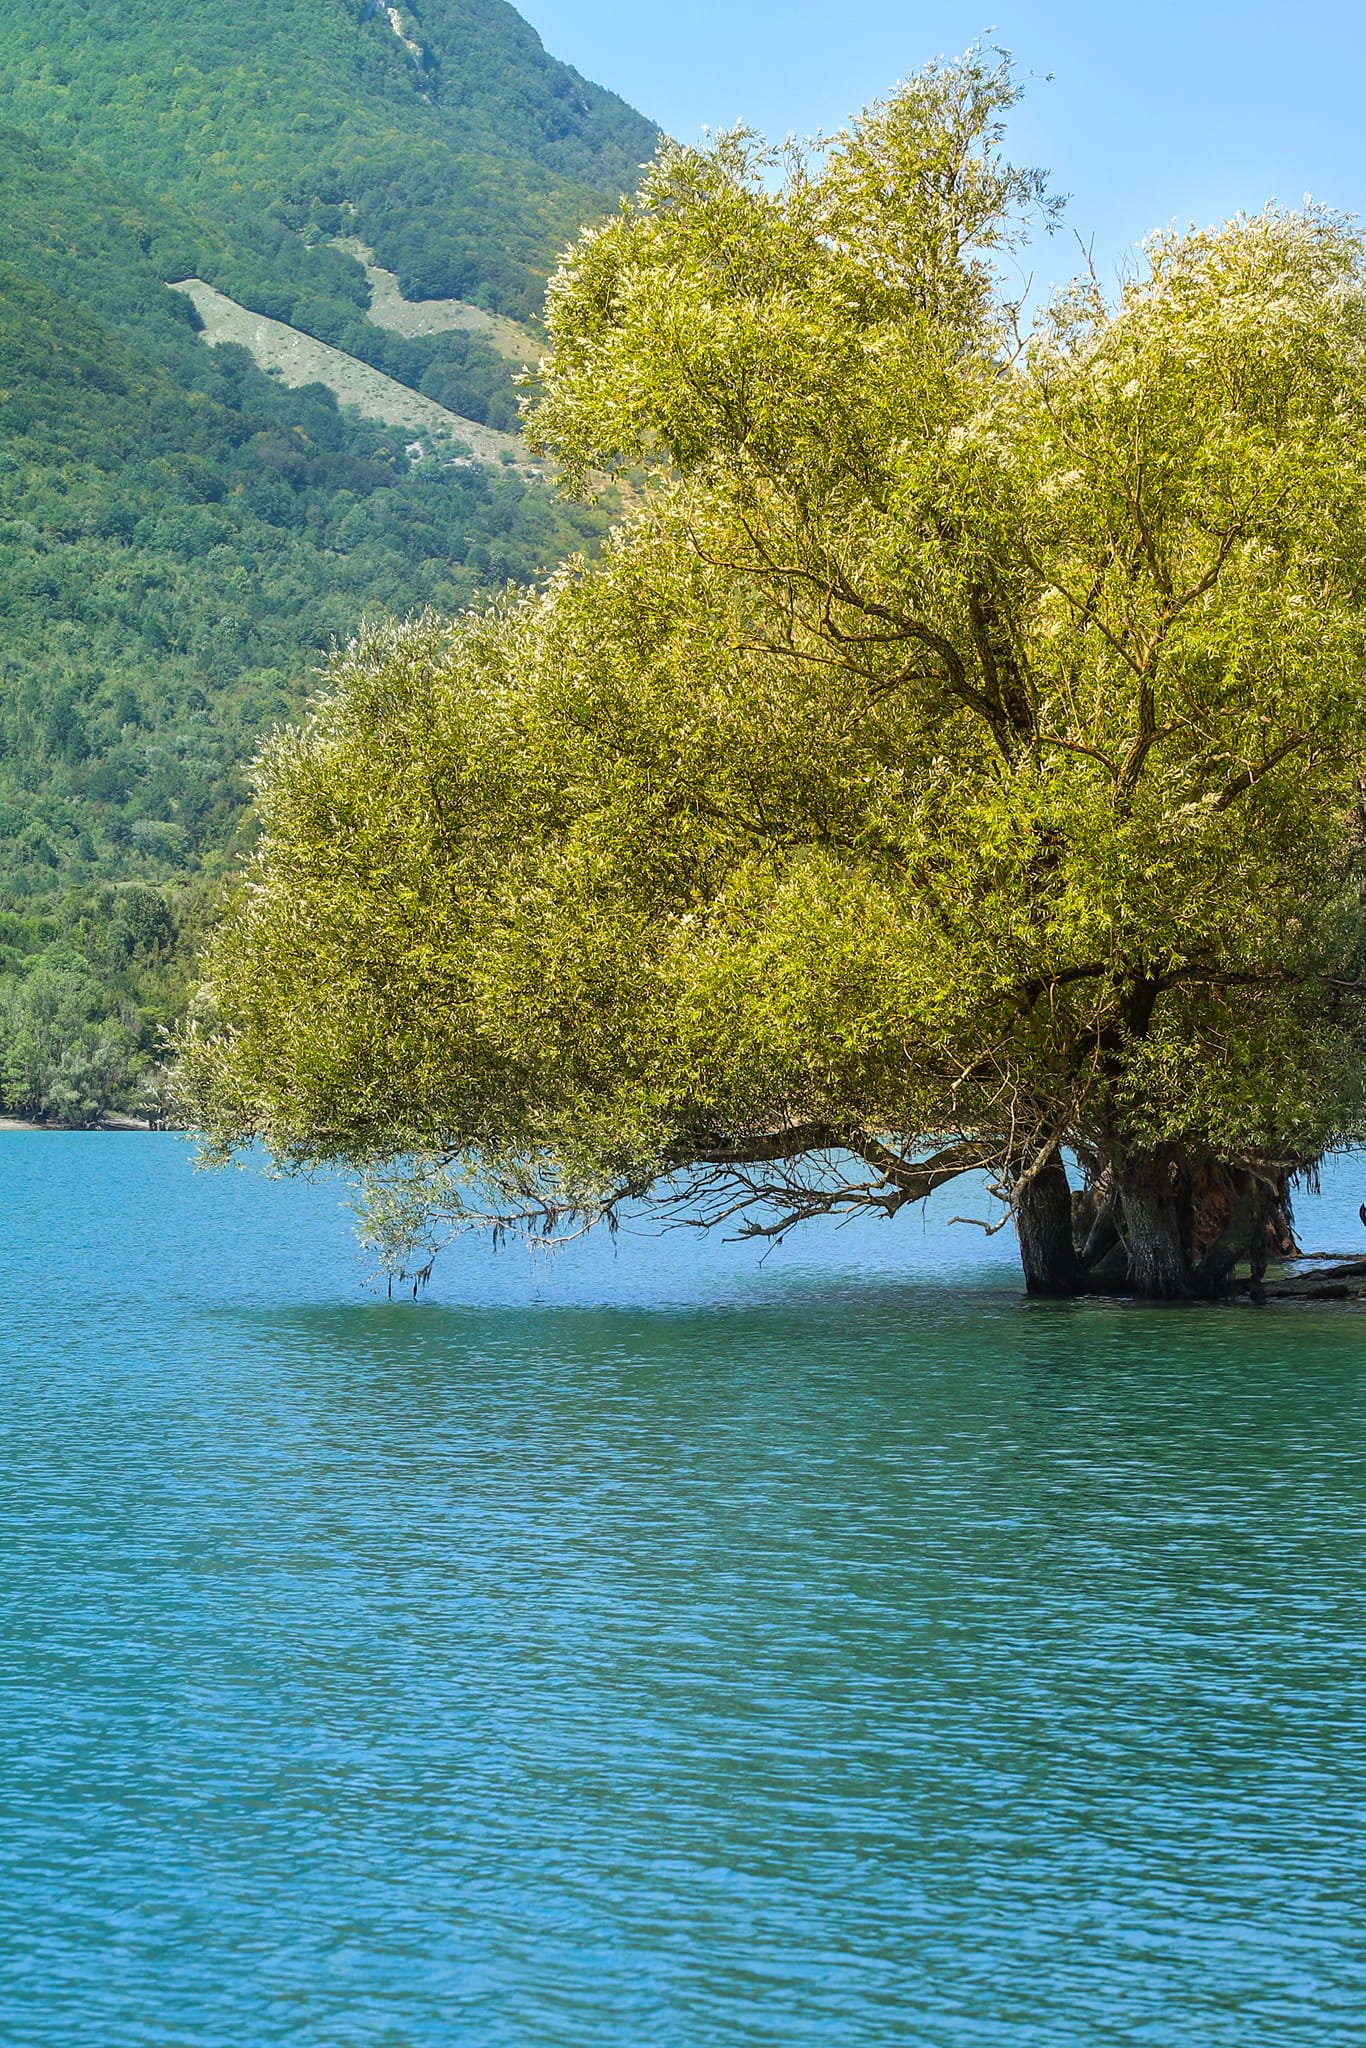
(954, 763)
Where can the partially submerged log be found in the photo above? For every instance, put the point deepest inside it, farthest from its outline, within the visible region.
(1345, 1282)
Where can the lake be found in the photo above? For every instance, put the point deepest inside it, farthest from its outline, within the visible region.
(658, 1648)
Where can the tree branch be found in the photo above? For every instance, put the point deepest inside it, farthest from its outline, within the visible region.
(1250, 777)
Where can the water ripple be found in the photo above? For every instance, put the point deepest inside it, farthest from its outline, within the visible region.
(649, 1654)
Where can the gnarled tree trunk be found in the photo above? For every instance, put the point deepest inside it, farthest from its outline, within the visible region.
(1155, 1224)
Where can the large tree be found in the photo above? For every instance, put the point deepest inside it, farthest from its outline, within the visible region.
(953, 764)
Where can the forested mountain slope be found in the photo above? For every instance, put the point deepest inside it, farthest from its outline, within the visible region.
(182, 537)
(441, 134)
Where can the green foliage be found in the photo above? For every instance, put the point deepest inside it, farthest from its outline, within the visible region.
(63, 1063)
(964, 739)
(181, 537)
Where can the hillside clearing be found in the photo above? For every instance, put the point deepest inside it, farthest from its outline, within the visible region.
(389, 308)
(299, 359)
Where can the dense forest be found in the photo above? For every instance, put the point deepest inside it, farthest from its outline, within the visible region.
(183, 537)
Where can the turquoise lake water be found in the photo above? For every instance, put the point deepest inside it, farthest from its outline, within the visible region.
(657, 1649)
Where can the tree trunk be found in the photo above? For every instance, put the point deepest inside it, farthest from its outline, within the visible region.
(1043, 1222)
(1155, 1230)
(1243, 1236)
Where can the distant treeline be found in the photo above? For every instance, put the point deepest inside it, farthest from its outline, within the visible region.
(88, 984)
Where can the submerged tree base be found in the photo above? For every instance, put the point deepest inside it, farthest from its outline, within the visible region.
(1345, 1282)
(1160, 1225)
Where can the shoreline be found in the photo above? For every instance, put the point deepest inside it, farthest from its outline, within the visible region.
(112, 1122)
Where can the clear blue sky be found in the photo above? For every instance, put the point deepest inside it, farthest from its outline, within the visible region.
(1169, 113)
